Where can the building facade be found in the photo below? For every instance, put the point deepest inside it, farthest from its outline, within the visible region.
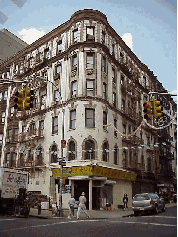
(84, 78)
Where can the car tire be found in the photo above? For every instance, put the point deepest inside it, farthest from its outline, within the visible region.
(156, 209)
(136, 213)
(164, 208)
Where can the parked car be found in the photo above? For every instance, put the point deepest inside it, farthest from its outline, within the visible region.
(147, 202)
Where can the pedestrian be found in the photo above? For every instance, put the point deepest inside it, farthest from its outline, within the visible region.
(125, 201)
(82, 206)
(71, 203)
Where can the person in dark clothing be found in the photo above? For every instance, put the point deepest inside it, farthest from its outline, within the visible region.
(125, 201)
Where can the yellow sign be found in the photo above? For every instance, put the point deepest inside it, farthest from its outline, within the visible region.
(97, 171)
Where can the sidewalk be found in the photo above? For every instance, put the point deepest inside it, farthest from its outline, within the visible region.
(94, 214)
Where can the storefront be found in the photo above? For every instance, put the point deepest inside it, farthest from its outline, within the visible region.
(101, 185)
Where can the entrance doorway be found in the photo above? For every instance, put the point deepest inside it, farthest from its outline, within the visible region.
(79, 187)
(96, 198)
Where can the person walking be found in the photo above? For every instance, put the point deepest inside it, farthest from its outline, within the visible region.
(71, 203)
(82, 206)
(125, 201)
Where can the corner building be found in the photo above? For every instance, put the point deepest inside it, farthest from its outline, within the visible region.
(84, 77)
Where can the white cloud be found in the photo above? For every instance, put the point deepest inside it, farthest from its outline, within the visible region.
(127, 38)
(30, 35)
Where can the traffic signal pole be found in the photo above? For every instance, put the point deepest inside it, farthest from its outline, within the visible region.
(61, 168)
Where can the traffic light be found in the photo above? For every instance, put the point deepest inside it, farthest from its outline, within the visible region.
(28, 99)
(147, 110)
(157, 108)
(19, 100)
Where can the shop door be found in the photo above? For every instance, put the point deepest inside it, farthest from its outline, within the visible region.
(79, 187)
(96, 198)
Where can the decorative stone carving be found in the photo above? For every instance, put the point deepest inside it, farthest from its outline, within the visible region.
(89, 71)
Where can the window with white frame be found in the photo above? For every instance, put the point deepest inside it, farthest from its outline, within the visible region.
(12, 111)
(55, 125)
(89, 118)
(90, 33)
(73, 119)
(103, 64)
(75, 35)
(104, 91)
(56, 95)
(46, 53)
(73, 88)
(59, 46)
(103, 37)
(90, 87)
(3, 117)
(74, 60)
(90, 60)
(41, 128)
(5, 95)
(114, 99)
(71, 150)
(114, 75)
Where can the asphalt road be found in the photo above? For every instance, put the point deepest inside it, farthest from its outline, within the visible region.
(162, 224)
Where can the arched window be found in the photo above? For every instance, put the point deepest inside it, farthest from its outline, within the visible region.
(105, 151)
(89, 150)
(115, 155)
(54, 154)
(39, 158)
(71, 150)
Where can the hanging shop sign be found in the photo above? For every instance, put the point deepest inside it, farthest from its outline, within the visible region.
(95, 171)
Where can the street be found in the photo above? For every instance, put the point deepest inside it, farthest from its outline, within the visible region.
(162, 224)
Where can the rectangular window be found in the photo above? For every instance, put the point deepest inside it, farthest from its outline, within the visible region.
(1, 137)
(75, 35)
(115, 125)
(3, 117)
(46, 53)
(5, 95)
(43, 100)
(57, 71)
(112, 49)
(59, 46)
(13, 160)
(41, 128)
(55, 125)
(0, 95)
(8, 75)
(12, 111)
(56, 95)
(7, 162)
(73, 88)
(113, 75)
(74, 61)
(103, 37)
(72, 119)
(104, 119)
(9, 133)
(123, 104)
(104, 91)
(90, 33)
(124, 129)
(90, 87)
(122, 80)
(89, 118)
(104, 64)
(114, 99)
(90, 60)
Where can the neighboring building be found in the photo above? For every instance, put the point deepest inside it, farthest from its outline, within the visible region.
(10, 44)
(92, 79)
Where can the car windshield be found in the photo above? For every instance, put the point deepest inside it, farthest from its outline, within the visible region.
(141, 198)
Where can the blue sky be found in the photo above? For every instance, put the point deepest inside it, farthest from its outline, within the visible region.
(152, 27)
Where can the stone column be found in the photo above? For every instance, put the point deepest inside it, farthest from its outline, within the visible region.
(90, 194)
